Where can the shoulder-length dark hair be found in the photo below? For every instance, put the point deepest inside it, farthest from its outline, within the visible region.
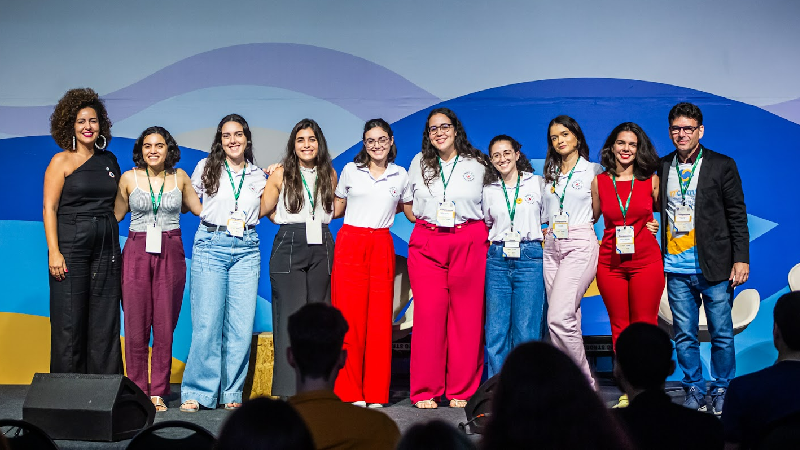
(362, 158)
(428, 162)
(646, 161)
(523, 164)
(542, 397)
(173, 151)
(213, 169)
(294, 194)
(62, 121)
(552, 162)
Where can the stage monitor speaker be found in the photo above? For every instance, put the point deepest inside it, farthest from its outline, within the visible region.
(87, 407)
(479, 407)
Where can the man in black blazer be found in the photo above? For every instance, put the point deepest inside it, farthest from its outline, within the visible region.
(705, 242)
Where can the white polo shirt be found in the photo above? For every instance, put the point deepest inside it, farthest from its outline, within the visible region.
(464, 188)
(283, 216)
(527, 216)
(372, 203)
(577, 197)
(217, 208)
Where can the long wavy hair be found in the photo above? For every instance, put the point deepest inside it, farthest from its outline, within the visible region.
(646, 161)
(62, 121)
(173, 151)
(552, 162)
(294, 194)
(213, 169)
(362, 158)
(429, 163)
(523, 164)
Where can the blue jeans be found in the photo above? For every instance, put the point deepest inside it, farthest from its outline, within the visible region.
(684, 292)
(224, 286)
(515, 301)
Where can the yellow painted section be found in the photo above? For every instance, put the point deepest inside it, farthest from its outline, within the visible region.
(592, 291)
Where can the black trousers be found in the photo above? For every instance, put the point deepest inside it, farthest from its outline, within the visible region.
(299, 274)
(84, 307)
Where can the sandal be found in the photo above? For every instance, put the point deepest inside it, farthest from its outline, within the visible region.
(158, 402)
(233, 405)
(427, 404)
(190, 406)
(458, 403)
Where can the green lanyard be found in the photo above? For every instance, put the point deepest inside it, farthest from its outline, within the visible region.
(564, 192)
(512, 207)
(441, 173)
(308, 191)
(685, 187)
(233, 186)
(628, 203)
(156, 204)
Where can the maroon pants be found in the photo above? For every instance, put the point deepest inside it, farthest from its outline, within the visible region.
(362, 287)
(152, 291)
(447, 270)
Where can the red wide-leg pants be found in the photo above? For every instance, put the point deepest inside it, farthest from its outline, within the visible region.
(362, 288)
(447, 268)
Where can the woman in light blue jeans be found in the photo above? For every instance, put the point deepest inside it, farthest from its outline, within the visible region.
(226, 263)
(512, 208)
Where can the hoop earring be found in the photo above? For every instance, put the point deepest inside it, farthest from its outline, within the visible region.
(105, 142)
(73, 142)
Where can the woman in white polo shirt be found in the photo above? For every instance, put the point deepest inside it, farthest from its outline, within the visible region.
(362, 283)
(446, 263)
(570, 246)
(512, 209)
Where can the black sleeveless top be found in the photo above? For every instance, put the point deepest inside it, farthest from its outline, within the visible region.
(92, 188)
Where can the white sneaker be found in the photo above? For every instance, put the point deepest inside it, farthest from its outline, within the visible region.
(375, 405)
(361, 403)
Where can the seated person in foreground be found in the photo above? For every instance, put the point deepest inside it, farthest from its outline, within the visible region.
(316, 335)
(264, 424)
(643, 363)
(756, 400)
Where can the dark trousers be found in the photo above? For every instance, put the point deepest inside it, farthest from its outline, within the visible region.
(84, 307)
(299, 274)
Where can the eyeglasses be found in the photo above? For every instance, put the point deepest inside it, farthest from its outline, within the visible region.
(677, 129)
(383, 140)
(505, 154)
(445, 127)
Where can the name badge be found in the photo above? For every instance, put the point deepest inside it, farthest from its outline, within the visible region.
(511, 244)
(625, 240)
(235, 224)
(683, 219)
(446, 214)
(314, 230)
(561, 226)
(152, 243)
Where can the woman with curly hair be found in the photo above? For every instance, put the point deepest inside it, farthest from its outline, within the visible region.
(299, 197)
(153, 261)
(446, 263)
(80, 186)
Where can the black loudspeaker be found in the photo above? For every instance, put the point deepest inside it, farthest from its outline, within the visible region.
(479, 407)
(87, 407)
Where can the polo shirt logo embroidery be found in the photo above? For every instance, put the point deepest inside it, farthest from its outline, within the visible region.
(393, 191)
(577, 184)
(469, 176)
(529, 199)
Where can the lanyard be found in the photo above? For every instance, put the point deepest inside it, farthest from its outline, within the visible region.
(156, 204)
(512, 207)
(233, 186)
(441, 173)
(564, 192)
(308, 191)
(628, 203)
(685, 187)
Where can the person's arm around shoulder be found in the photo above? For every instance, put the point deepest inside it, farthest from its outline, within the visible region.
(54, 178)
(191, 201)
(652, 225)
(736, 216)
(595, 200)
(121, 205)
(269, 199)
(340, 196)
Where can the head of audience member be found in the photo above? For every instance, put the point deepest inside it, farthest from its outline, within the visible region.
(544, 401)
(785, 331)
(685, 127)
(79, 119)
(378, 144)
(264, 424)
(505, 154)
(628, 144)
(434, 435)
(643, 358)
(316, 335)
(564, 137)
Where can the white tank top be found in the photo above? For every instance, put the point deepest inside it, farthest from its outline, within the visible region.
(283, 216)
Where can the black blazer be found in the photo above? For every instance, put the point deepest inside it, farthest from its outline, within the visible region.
(720, 215)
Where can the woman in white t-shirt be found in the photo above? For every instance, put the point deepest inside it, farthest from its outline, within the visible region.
(370, 191)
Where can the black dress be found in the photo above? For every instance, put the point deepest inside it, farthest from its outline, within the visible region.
(84, 307)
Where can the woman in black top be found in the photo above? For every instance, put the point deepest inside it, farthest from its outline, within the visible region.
(80, 186)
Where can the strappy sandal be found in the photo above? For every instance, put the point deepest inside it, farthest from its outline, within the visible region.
(427, 404)
(190, 406)
(158, 402)
(233, 405)
(454, 403)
